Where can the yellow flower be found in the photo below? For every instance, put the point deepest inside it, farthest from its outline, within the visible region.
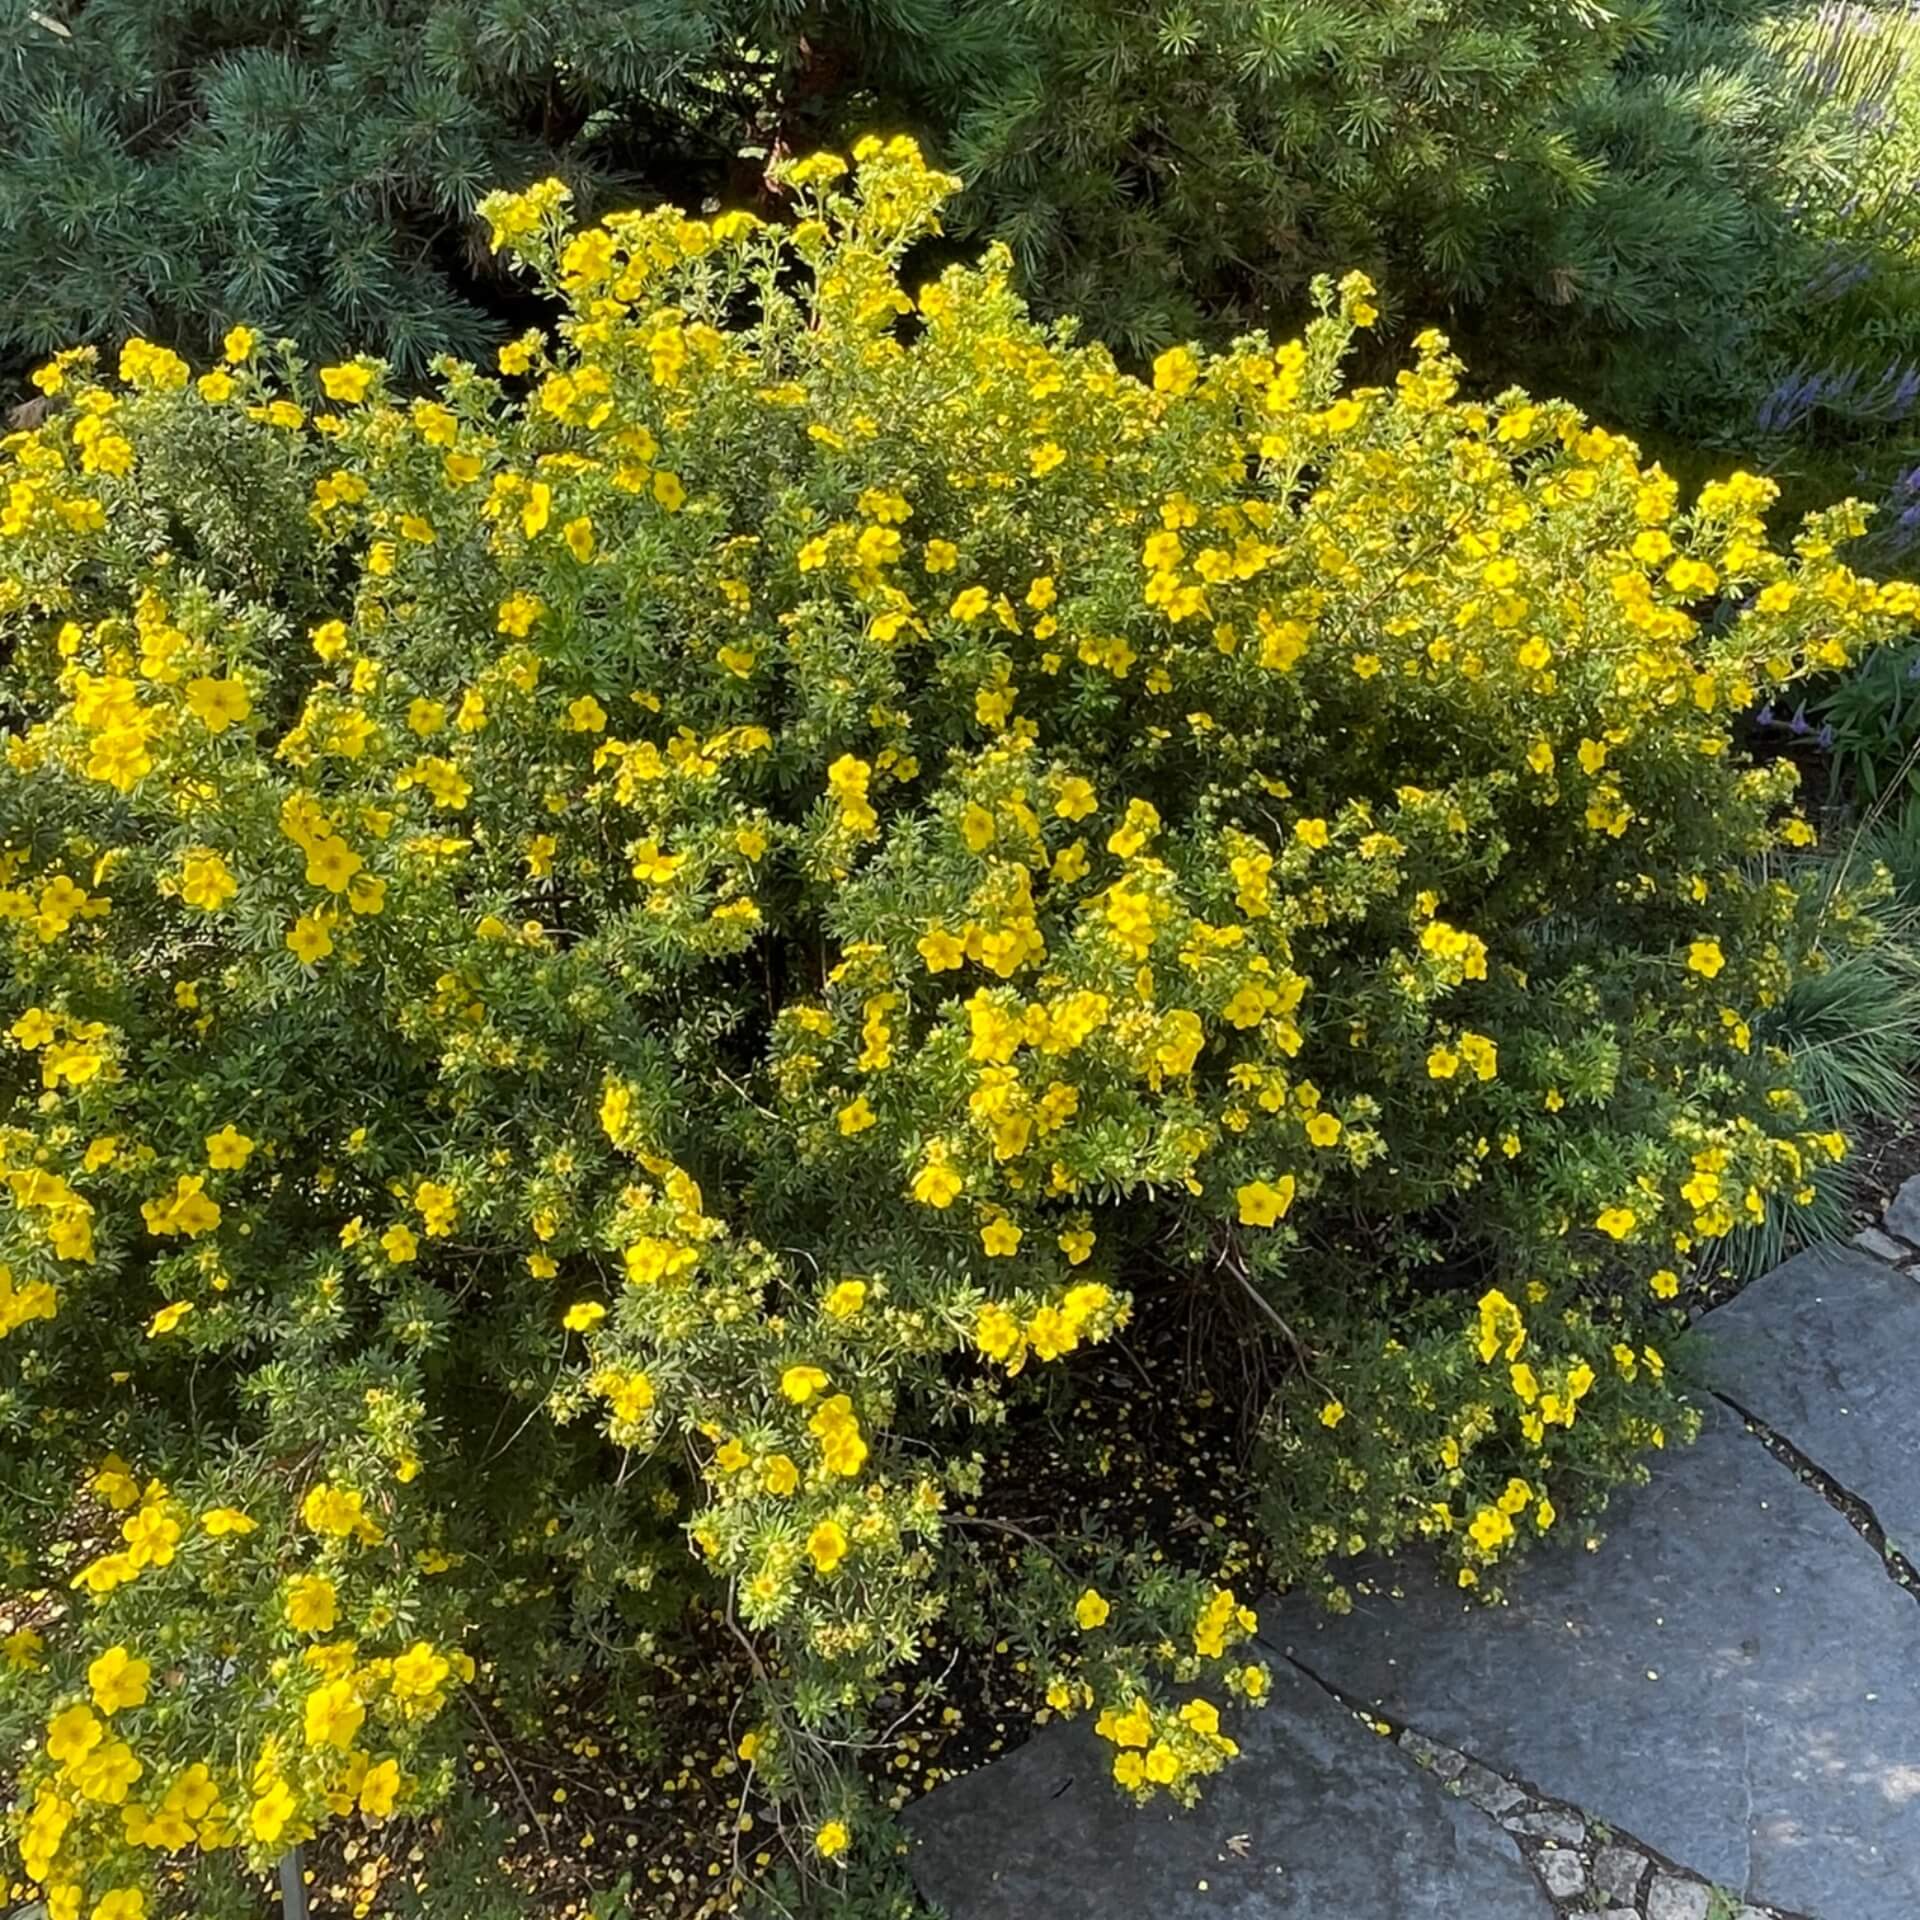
(942, 951)
(1665, 1283)
(331, 864)
(168, 1318)
(271, 1812)
(118, 1680)
(1202, 1716)
(831, 1839)
(827, 1546)
(333, 1715)
(311, 1604)
(380, 1788)
(1175, 371)
(997, 1333)
(1332, 1414)
(1705, 958)
(347, 383)
(842, 1449)
(207, 882)
(1263, 1202)
(73, 1734)
(187, 1211)
(24, 1650)
(1616, 1222)
(800, 1384)
(1091, 1610)
(228, 1148)
(218, 704)
(1490, 1529)
(856, 1116)
(1076, 799)
(419, 1672)
(937, 1184)
(845, 1299)
(308, 939)
(583, 1316)
(1001, 1238)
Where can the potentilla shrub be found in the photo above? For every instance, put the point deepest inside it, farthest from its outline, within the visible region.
(602, 969)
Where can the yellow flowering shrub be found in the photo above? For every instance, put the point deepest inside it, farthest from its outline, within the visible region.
(604, 965)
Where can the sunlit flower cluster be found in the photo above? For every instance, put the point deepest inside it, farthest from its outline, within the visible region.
(661, 929)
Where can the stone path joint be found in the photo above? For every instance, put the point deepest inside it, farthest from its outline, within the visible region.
(1585, 1867)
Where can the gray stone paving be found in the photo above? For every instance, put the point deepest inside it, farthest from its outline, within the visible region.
(1733, 1679)
(1714, 1717)
(1319, 1820)
(1823, 1350)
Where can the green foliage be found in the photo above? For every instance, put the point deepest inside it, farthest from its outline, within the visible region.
(1850, 1036)
(1890, 838)
(1693, 216)
(314, 168)
(1170, 170)
(1870, 723)
(607, 974)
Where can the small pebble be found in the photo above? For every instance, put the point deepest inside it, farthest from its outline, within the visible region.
(1617, 1873)
(1672, 1899)
(1882, 1246)
(1563, 1874)
(1550, 1824)
(1487, 1790)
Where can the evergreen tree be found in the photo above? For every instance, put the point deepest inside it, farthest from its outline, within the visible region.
(311, 166)
(1189, 162)
(1691, 215)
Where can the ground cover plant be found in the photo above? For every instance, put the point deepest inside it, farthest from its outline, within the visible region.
(608, 969)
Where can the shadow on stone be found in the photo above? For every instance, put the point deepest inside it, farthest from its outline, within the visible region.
(1732, 1678)
(1320, 1820)
(1822, 1350)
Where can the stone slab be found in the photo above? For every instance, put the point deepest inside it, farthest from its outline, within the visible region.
(1883, 1246)
(1319, 1820)
(1903, 1210)
(1732, 1679)
(1823, 1351)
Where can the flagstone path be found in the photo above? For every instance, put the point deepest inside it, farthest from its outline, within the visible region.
(1715, 1716)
